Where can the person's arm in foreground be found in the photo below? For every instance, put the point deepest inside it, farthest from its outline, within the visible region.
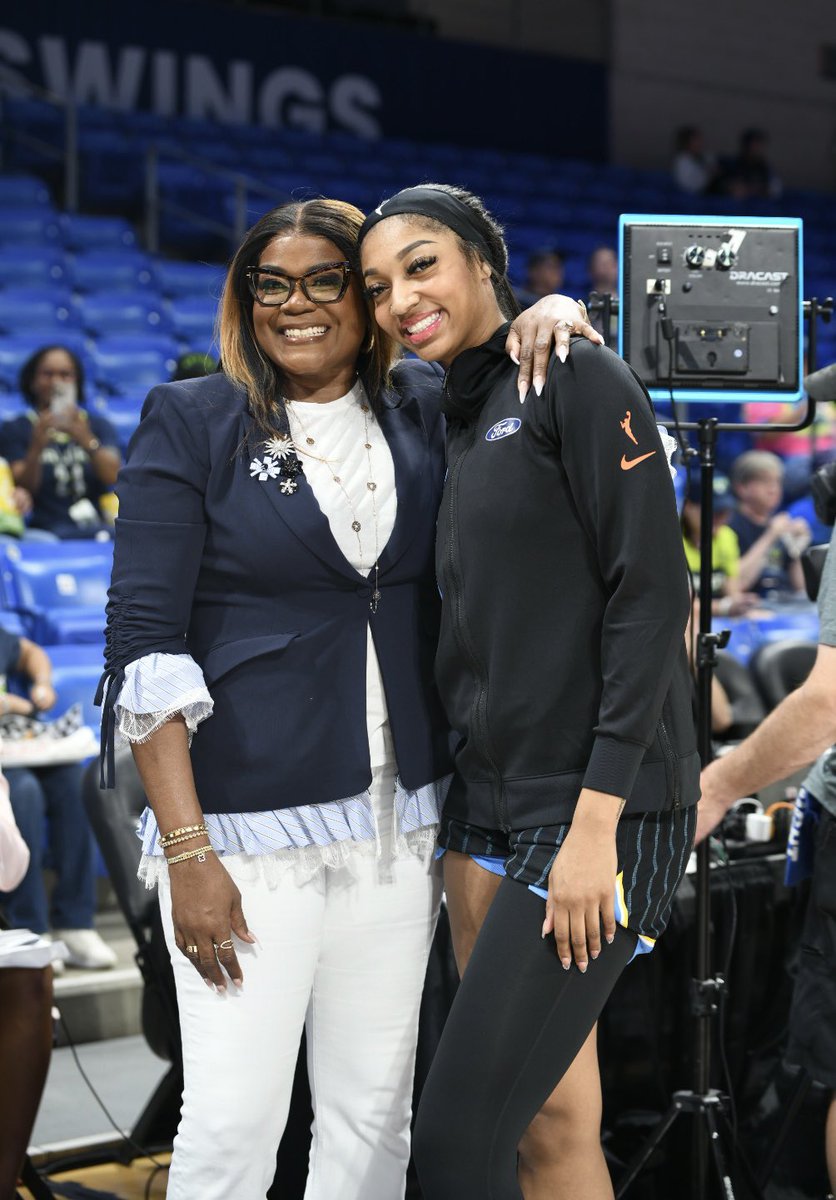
(622, 486)
(158, 547)
(792, 736)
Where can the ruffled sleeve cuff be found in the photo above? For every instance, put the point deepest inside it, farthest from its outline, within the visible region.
(158, 687)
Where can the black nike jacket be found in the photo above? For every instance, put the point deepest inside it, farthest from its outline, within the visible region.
(562, 660)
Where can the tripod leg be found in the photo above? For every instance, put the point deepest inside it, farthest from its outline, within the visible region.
(638, 1162)
(754, 1185)
(717, 1154)
(799, 1094)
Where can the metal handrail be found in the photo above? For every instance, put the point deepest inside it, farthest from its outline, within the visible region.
(154, 203)
(68, 153)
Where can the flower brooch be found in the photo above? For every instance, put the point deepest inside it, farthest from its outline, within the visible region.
(279, 461)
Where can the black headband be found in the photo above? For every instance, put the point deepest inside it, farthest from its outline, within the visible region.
(434, 203)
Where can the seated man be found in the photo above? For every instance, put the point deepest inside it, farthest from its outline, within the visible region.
(771, 542)
(50, 795)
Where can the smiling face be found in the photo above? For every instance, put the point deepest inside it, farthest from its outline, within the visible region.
(426, 293)
(314, 345)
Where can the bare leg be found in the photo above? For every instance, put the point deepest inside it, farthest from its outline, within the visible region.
(25, 1047)
(560, 1155)
(830, 1143)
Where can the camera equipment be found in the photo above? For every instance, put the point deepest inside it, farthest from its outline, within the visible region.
(711, 307)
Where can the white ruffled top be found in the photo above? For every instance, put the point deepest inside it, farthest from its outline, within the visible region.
(331, 440)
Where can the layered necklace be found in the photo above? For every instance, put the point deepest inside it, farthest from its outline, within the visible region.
(333, 466)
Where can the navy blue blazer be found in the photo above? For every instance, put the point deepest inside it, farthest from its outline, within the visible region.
(214, 563)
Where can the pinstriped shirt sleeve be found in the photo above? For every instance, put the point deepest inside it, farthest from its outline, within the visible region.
(158, 687)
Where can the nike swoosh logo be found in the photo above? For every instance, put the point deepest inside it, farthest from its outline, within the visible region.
(627, 464)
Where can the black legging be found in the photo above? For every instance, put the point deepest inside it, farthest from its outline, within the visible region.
(515, 1027)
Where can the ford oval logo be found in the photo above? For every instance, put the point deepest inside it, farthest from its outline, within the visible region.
(503, 429)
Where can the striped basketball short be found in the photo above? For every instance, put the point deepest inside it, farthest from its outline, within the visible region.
(652, 848)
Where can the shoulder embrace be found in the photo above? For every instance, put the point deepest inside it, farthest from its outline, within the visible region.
(414, 379)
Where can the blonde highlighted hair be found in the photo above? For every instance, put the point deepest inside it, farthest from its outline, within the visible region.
(243, 360)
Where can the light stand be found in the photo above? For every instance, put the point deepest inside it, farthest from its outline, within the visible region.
(714, 1143)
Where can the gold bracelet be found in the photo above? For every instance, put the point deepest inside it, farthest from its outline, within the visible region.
(201, 828)
(199, 854)
(185, 837)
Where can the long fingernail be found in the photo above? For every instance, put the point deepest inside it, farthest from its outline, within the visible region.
(515, 360)
(582, 968)
(543, 931)
(538, 385)
(522, 388)
(610, 938)
(209, 984)
(239, 983)
(566, 963)
(594, 954)
(561, 354)
(220, 987)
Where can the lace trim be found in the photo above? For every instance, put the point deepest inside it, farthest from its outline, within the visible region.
(307, 862)
(194, 706)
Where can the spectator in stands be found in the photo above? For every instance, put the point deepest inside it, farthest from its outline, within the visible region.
(64, 456)
(15, 504)
(193, 365)
(603, 281)
(545, 272)
(49, 798)
(25, 1025)
(280, 511)
(801, 728)
(727, 596)
(694, 170)
(749, 176)
(771, 542)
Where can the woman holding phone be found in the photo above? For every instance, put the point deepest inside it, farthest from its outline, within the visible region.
(66, 457)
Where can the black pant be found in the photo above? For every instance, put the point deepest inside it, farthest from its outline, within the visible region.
(517, 1023)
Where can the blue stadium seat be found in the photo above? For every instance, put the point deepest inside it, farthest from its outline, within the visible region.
(75, 676)
(36, 225)
(12, 622)
(16, 348)
(105, 314)
(26, 266)
(59, 588)
(193, 317)
(127, 364)
(12, 405)
(189, 279)
(19, 191)
(123, 412)
(114, 270)
(96, 233)
(23, 308)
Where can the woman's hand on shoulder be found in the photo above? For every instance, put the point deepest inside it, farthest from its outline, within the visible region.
(550, 322)
(206, 913)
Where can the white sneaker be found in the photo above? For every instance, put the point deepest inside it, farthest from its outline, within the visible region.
(86, 949)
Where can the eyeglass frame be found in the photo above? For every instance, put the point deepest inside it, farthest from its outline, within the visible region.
(300, 280)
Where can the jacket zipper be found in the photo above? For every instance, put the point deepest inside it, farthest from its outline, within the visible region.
(455, 593)
(670, 757)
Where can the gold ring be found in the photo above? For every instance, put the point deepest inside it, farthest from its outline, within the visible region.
(191, 949)
(227, 945)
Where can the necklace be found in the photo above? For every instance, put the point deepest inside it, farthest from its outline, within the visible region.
(371, 484)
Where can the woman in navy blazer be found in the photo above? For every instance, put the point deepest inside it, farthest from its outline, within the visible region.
(273, 571)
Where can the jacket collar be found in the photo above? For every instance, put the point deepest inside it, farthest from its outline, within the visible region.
(400, 421)
(471, 376)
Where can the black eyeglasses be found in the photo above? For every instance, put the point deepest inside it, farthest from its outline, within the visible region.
(325, 284)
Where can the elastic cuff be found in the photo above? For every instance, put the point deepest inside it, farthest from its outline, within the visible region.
(613, 766)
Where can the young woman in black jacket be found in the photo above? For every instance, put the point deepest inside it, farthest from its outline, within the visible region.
(562, 668)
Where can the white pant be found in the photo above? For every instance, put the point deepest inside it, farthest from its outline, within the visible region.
(344, 955)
